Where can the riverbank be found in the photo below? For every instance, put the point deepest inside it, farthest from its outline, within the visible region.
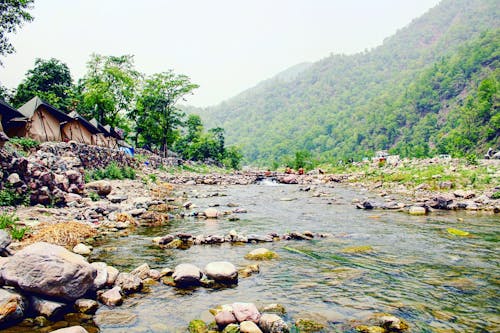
(157, 198)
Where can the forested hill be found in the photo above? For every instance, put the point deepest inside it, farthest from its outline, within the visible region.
(432, 87)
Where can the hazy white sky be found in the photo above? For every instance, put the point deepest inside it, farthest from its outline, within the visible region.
(225, 46)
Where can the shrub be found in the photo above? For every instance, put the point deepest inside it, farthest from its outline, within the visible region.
(10, 197)
(9, 222)
(25, 143)
(495, 195)
(112, 171)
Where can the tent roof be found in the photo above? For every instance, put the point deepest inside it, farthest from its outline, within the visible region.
(29, 108)
(115, 132)
(88, 125)
(8, 112)
(99, 126)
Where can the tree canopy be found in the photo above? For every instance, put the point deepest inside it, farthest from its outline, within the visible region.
(50, 80)
(12, 15)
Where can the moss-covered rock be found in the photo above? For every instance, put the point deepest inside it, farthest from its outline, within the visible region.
(175, 244)
(357, 249)
(261, 254)
(370, 329)
(308, 325)
(231, 328)
(197, 326)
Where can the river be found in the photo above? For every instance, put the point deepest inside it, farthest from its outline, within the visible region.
(415, 270)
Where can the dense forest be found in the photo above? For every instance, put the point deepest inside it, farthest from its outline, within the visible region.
(431, 88)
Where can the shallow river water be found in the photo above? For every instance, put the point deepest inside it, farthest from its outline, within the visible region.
(416, 270)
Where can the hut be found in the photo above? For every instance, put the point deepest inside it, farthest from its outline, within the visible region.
(43, 121)
(78, 129)
(10, 118)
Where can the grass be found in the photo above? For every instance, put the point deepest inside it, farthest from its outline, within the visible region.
(112, 171)
(66, 234)
(461, 173)
(10, 223)
(24, 143)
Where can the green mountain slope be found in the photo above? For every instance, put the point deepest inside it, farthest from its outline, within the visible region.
(410, 94)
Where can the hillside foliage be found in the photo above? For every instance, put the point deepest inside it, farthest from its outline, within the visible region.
(431, 88)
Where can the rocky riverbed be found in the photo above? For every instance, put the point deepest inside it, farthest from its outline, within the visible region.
(66, 289)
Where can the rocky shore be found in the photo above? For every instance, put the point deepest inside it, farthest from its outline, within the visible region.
(46, 277)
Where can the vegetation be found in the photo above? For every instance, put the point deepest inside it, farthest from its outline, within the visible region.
(10, 223)
(431, 88)
(66, 234)
(12, 15)
(50, 80)
(460, 173)
(10, 197)
(112, 171)
(24, 143)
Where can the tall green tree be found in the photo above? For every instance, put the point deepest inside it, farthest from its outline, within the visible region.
(157, 117)
(109, 88)
(50, 80)
(12, 15)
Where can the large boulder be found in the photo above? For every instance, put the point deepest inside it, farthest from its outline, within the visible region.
(222, 271)
(12, 307)
(186, 275)
(49, 270)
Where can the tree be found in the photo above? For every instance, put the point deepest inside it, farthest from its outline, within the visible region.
(108, 88)
(157, 116)
(12, 15)
(50, 80)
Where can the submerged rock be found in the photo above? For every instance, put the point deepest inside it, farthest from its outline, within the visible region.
(261, 254)
(197, 326)
(417, 210)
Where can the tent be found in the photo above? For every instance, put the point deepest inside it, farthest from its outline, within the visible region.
(10, 118)
(78, 129)
(43, 121)
(100, 138)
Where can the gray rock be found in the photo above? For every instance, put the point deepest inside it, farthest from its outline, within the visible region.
(112, 297)
(225, 318)
(5, 241)
(249, 327)
(87, 306)
(71, 329)
(102, 187)
(186, 275)
(102, 275)
(128, 282)
(272, 323)
(49, 270)
(246, 311)
(117, 198)
(14, 179)
(46, 308)
(12, 307)
(112, 275)
(82, 249)
(142, 272)
(222, 271)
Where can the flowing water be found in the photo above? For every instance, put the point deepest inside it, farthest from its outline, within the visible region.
(416, 270)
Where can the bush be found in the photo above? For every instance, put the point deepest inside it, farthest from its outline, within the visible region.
(112, 171)
(10, 197)
(9, 222)
(25, 143)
